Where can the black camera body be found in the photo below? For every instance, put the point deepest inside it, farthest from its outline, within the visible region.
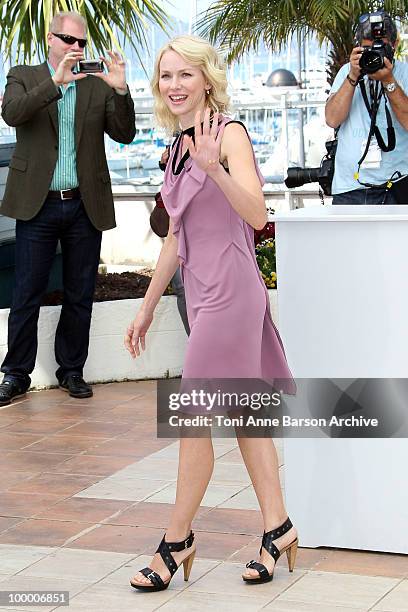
(372, 58)
(323, 174)
(89, 66)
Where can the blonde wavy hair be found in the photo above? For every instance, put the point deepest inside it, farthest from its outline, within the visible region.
(198, 53)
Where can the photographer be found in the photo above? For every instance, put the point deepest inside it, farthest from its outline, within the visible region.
(58, 189)
(371, 108)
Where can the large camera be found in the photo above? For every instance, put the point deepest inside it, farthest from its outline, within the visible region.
(322, 175)
(372, 58)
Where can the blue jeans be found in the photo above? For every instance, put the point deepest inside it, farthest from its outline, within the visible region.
(36, 243)
(369, 195)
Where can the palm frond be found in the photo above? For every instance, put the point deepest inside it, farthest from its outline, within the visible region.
(112, 23)
(239, 26)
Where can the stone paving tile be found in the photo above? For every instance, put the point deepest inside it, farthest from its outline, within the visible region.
(149, 515)
(80, 565)
(84, 510)
(144, 430)
(131, 413)
(396, 600)
(277, 605)
(161, 468)
(7, 522)
(119, 538)
(131, 489)
(68, 411)
(226, 520)
(67, 485)
(244, 499)
(188, 600)
(368, 563)
(65, 443)
(88, 464)
(168, 452)
(226, 578)
(17, 441)
(8, 419)
(25, 461)
(221, 451)
(114, 598)
(42, 532)
(99, 429)
(130, 448)
(24, 504)
(44, 426)
(234, 456)
(215, 494)
(16, 558)
(9, 479)
(230, 472)
(27, 406)
(337, 589)
(219, 545)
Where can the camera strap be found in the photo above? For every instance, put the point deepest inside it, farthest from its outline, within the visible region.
(372, 111)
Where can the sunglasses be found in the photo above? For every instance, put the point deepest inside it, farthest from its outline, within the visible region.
(70, 40)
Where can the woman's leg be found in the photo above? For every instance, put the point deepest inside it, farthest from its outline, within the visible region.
(196, 463)
(261, 460)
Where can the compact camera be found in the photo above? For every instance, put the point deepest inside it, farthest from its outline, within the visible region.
(89, 66)
(372, 58)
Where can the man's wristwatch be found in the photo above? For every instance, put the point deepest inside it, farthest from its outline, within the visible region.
(391, 87)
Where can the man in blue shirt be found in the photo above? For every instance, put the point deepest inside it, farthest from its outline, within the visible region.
(58, 189)
(346, 108)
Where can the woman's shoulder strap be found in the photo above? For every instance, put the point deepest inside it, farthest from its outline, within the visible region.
(228, 121)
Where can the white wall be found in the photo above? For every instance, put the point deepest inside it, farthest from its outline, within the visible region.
(108, 359)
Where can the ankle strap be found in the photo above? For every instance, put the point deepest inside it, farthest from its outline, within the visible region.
(179, 546)
(279, 531)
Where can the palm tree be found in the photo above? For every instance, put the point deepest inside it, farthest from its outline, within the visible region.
(24, 23)
(239, 26)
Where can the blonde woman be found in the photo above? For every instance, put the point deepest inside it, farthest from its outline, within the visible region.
(213, 193)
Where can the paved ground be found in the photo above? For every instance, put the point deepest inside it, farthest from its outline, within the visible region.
(85, 494)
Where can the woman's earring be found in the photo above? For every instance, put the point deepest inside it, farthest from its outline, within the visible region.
(207, 91)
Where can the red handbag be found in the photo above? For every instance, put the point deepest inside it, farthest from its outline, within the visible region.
(267, 232)
(159, 218)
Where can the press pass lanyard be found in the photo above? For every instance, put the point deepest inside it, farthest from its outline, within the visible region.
(372, 110)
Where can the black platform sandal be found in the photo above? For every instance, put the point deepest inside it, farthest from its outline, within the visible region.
(165, 549)
(267, 543)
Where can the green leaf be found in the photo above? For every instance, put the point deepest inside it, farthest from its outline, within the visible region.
(24, 24)
(238, 26)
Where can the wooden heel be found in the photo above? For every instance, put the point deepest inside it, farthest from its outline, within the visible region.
(291, 554)
(187, 565)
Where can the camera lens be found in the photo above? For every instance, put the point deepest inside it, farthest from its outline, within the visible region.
(371, 60)
(299, 176)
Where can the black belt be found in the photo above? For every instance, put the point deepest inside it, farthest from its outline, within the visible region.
(65, 194)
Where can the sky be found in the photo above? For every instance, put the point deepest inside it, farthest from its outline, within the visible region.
(182, 8)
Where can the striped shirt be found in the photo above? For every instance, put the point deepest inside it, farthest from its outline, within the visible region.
(65, 173)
